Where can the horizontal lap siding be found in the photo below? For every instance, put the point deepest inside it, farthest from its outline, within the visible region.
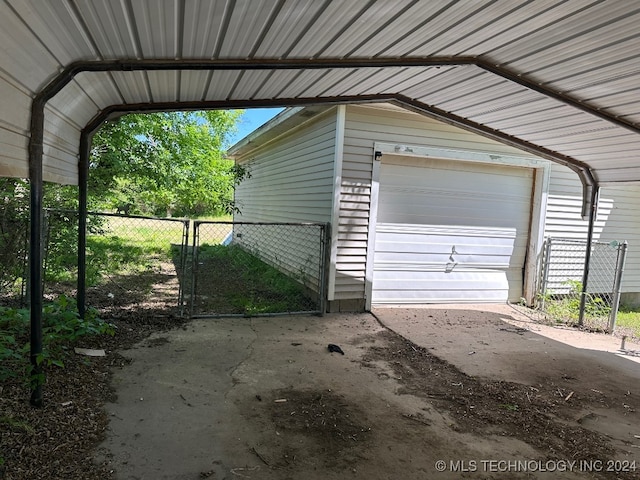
(366, 125)
(291, 181)
(618, 218)
(291, 178)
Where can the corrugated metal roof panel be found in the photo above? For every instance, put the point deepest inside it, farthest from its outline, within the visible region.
(17, 101)
(246, 26)
(111, 27)
(202, 28)
(572, 22)
(577, 132)
(13, 154)
(336, 16)
(522, 19)
(278, 80)
(248, 88)
(446, 28)
(75, 99)
(23, 56)
(134, 86)
(601, 137)
(164, 85)
(193, 85)
(372, 20)
(100, 89)
(586, 49)
(291, 23)
(156, 24)
(58, 28)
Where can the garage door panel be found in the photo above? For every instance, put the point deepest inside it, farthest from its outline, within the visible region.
(459, 286)
(456, 247)
(450, 231)
(432, 210)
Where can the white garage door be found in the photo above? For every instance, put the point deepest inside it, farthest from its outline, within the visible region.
(450, 231)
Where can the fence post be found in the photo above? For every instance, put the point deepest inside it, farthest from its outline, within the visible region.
(545, 272)
(194, 264)
(620, 261)
(325, 242)
(182, 274)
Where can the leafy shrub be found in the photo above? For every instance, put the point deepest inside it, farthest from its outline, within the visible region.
(61, 328)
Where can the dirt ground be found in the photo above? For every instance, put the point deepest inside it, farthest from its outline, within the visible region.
(438, 392)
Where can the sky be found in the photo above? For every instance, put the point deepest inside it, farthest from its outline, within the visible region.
(252, 119)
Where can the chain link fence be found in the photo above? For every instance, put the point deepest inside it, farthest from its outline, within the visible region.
(14, 246)
(254, 269)
(136, 263)
(133, 262)
(561, 288)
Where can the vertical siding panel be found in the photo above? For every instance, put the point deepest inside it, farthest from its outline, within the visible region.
(291, 177)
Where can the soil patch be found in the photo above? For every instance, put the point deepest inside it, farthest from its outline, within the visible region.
(542, 415)
(325, 426)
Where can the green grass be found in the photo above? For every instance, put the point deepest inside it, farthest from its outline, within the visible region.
(152, 236)
(629, 320)
(231, 280)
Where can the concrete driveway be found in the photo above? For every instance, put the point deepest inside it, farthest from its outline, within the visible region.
(264, 398)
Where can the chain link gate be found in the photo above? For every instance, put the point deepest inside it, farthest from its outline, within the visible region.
(561, 286)
(257, 269)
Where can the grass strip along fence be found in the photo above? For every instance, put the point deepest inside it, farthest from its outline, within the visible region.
(253, 269)
(135, 262)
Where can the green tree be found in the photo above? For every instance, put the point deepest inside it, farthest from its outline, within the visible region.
(165, 163)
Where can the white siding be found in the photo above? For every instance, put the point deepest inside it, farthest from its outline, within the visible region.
(364, 126)
(291, 181)
(618, 218)
(291, 177)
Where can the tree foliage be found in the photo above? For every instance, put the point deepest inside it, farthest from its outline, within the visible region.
(158, 164)
(168, 163)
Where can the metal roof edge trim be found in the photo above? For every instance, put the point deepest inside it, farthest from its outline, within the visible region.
(75, 68)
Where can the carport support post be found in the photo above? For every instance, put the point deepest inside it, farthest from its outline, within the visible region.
(83, 179)
(593, 210)
(35, 250)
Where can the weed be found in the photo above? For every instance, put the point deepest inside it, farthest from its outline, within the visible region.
(61, 328)
(509, 406)
(16, 425)
(565, 307)
(629, 319)
(245, 284)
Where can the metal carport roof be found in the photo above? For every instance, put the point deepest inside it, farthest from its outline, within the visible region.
(560, 75)
(558, 78)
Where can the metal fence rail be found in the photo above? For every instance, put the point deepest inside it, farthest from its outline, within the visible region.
(561, 286)
(254, 269)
